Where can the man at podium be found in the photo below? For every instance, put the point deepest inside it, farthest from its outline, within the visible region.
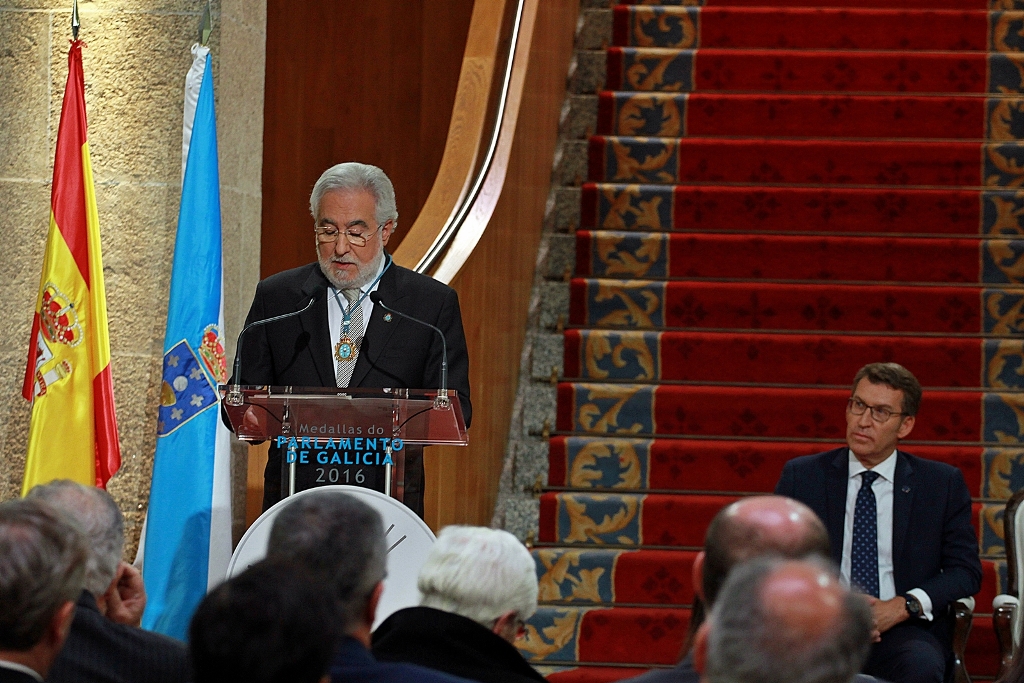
(343, 338)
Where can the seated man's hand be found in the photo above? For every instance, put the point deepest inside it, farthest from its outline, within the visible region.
(888, 613)
(126, 598)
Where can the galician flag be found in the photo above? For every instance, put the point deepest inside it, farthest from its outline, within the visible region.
(188, 528)
(73, 433)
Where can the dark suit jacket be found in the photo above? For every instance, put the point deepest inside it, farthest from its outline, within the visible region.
(399, 353)
(450, 643)
(683, 672)
(933, 542)
(353, 663)
(100, 651)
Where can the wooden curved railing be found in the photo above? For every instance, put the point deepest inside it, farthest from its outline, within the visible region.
(476, 153)
(480, 228)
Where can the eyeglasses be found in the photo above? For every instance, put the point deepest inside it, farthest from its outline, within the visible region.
(878, 413)
(328, 234)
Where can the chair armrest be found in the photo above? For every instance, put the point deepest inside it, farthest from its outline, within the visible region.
(1003, 609)
(963, 611)
(1004, 599)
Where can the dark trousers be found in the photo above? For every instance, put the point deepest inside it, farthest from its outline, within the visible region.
(272, 479)
(908, 653)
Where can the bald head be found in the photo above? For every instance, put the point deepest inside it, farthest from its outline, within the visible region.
(787, 621)
(756, 526)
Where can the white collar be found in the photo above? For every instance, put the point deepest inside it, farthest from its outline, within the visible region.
(885, 469)
(14, 666)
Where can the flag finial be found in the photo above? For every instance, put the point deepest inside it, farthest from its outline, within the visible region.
(205, 25)
(75, 21)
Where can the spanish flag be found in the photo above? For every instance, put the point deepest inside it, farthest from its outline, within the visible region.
(73, 434)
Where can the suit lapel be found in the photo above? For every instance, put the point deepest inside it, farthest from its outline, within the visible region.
(902, 502)
(315, 322)
(378, 332)
(836, 483)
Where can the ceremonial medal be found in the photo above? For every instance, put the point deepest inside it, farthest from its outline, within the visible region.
(345, 349)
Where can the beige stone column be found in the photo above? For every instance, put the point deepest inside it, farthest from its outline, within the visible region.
(135, 62)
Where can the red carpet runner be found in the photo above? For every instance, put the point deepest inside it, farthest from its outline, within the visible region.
(776, 196)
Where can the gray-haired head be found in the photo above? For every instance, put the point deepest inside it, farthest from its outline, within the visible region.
(100, 520)
(353, 175)
(479, 573)
(42, 567)
(787, 621)
(338, 537)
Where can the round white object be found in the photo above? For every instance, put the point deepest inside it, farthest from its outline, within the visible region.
(408, 537)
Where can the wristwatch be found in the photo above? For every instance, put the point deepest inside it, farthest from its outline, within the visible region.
(913, 606)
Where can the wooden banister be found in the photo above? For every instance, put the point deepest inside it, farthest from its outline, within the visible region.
(466, 131)
(496, 200)
(483, 125)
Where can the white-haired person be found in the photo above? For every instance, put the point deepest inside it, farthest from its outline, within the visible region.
(478, 587)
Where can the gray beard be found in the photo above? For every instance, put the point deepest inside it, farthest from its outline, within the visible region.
(365, 275)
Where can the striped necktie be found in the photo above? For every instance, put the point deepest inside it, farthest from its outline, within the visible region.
(355, 333)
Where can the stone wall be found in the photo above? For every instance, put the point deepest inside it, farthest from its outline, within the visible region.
(135, 62)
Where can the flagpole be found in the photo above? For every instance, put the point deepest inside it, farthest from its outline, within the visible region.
(68, 380)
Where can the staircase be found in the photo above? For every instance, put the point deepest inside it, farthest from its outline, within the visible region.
(774, 196)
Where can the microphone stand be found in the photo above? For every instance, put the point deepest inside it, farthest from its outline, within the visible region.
(441, 402)
(234, 395)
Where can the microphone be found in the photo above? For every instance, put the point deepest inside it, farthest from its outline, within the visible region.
(234, 397)
(442, 401)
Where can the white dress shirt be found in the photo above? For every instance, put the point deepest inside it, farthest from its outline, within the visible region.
(336, 303)
(883, 490)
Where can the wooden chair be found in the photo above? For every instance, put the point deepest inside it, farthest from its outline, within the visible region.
(1006, 617)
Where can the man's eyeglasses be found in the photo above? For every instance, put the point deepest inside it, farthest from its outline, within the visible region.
(357, 237)
(878, 413)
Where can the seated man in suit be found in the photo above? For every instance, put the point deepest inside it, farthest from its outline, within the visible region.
(98, 649)
(784, 621)
(273, 623)
(344, 339)
(42, 569)
(900, 526)
(341, 540)
(479, 586)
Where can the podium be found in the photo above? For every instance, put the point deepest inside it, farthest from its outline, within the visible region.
(354, 436)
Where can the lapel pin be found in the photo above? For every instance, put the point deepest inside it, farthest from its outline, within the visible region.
(387, 317)
(906, 489)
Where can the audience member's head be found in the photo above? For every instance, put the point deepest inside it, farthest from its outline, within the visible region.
(101, 522)
(42, 569)
(482, 574)
(752, 527)
(341, 539)
(785, 621)
(272, 623)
